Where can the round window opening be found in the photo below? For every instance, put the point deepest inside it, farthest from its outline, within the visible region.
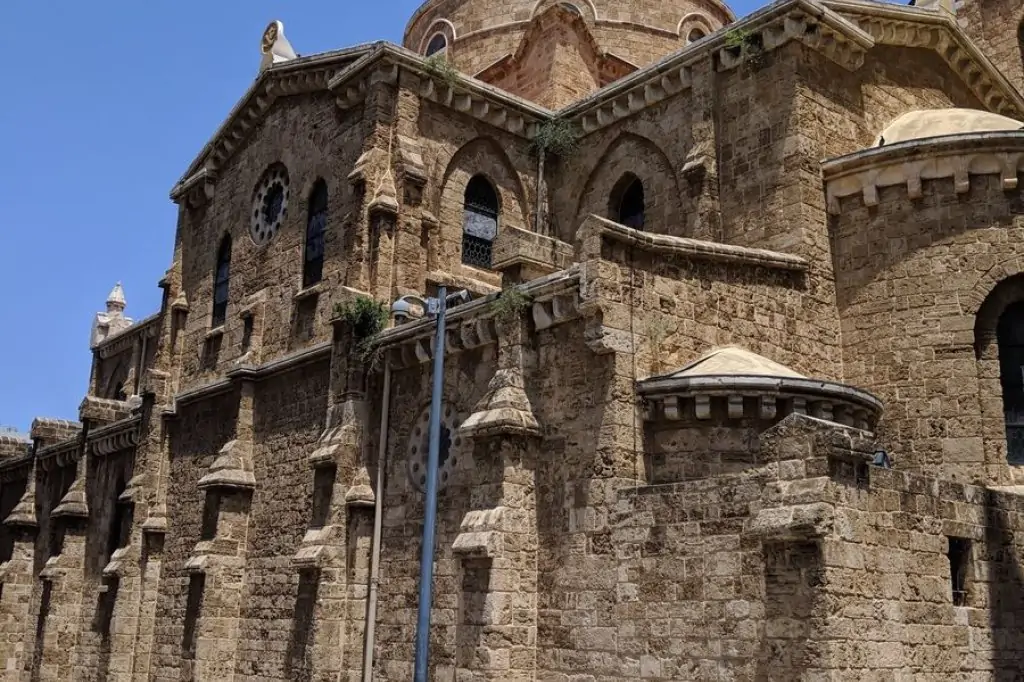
(449, 449)
(270, 204)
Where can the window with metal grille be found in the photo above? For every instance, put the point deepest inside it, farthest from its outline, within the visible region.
(316, 225)
(221, 282)
(1010, 336)
(479, 222)
(437, 43)
(627, 202)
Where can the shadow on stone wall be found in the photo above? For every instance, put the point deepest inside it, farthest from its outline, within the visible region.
(1006, 589)
(793, 572)
(41, 617)
(298, 658)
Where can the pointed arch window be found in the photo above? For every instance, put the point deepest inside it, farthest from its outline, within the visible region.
(221, 282)
(1010, 337)
(627, 202)
(316, 225)
(479, 222)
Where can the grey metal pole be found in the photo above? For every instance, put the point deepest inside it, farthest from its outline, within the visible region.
(430, 499)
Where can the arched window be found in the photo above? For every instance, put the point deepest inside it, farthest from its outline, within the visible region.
(479, 222)
(437, 43)
(221, 281)
(1010, 336)
(627, 205)
(316, 225)
(569, 7)
(695, 35)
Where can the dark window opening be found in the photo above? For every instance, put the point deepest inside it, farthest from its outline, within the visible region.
(323, 493)
(695, 35)
(436, 44)
(1010, 335)
(196, 586)
(316, 225)
(211, 514)
(120, 523)
(628, 202)
(959, 562)
(479, 222)
(221, 282)
(247, 327)
(106, 603)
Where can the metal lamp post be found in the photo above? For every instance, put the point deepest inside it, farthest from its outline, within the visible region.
(436, 308)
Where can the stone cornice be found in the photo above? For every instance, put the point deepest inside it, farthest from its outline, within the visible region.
(59, 454)
(757, 397)
(16, 468)
(554, 300)
(772, 27)
(938, 31)
(297, 76)
(595, 230)
(285, 363)
(121, 435)
(913, 162)
(461, 92)
(121, 341)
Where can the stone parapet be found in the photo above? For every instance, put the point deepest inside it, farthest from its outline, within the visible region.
(915, 163)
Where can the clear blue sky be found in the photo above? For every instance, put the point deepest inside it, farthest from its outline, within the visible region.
(104, 104)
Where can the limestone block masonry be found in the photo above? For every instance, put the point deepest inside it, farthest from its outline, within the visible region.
(738, 393)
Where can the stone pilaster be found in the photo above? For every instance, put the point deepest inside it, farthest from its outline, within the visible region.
(498, 546)
(217, 564)
(342, 502)
(18, 581)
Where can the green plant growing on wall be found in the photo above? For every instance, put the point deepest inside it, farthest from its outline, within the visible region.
(510, 304)
(367, 319)
(741, 41)
(557, 136)
(441, 69)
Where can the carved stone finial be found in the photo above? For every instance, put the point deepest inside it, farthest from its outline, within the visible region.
(274, 46)
(115, 300)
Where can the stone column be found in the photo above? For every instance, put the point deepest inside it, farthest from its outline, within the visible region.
(497, 628)
(17, 575)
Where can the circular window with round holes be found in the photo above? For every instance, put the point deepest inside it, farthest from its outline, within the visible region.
(269, 204)
(448, 453)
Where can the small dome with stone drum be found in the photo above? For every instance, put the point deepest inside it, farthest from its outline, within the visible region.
(748, 385)
(921, 124)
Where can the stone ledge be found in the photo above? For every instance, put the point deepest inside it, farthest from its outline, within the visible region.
(796, 522)
(595, 229)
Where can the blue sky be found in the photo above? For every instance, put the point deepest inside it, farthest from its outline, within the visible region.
(104, 105)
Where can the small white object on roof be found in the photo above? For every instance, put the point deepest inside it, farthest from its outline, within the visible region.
(916, 125)
(115, 300)
(274, 46)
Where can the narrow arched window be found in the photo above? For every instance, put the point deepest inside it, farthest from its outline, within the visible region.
(437, 43)
(479, 222)
(627, 204)
(1010, 336)
(221, 282)
(695, 35)
(316, 225)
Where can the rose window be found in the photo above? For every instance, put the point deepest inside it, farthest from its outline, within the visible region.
(269, 205)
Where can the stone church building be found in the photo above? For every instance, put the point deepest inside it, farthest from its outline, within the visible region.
(738, 394)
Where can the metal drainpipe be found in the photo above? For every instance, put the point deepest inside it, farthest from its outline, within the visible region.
(378, 520)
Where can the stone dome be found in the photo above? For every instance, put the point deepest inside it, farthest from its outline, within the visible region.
(479, 33)
(920, 124)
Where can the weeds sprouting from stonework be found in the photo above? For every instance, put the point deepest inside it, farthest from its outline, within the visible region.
(367, 318)
(510, 304)
(740, 41)
(557, 136)
(441, 69)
